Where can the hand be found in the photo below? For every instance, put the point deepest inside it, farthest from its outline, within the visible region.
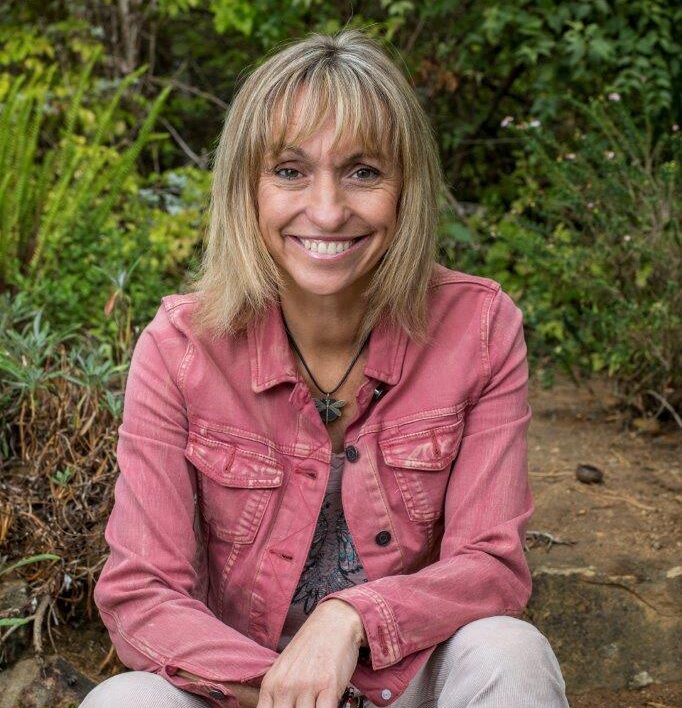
(315, 667)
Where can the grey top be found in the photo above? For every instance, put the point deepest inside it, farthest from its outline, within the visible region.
(332, 563)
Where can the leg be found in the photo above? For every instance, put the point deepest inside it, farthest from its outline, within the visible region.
(493, 662)
(140, 689)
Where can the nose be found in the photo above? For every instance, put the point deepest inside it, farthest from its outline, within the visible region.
(326, 207)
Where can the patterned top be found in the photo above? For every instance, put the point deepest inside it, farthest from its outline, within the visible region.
(332, 563)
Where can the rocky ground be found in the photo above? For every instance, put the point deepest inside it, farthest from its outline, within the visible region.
(606, 561)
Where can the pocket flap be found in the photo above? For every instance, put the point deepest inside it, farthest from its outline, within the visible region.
(231, 466)
(430, 449)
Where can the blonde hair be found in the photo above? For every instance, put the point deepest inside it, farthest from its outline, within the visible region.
(347, 76)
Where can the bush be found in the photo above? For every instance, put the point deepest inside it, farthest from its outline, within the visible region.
(591, 247)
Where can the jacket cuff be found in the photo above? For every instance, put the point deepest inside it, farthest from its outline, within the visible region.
(379, 623)
(214, 693)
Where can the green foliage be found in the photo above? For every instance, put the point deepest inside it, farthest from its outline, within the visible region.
(509, 87)
(35, 212)
(26, 561)
(592, 248)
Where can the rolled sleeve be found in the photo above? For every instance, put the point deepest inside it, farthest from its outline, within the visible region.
(150, 593)
(481, 570)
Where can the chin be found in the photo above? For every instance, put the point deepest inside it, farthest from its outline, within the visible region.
(317, 287)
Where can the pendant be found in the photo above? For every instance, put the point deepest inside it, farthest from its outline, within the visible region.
(329, 408)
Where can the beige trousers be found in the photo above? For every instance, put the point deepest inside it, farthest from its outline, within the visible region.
(493, 662)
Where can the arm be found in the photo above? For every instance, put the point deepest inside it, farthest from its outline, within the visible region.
(481, 570)
(149, 592)
(248, 696)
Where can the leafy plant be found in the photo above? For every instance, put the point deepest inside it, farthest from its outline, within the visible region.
(48, 191)
(592, 247)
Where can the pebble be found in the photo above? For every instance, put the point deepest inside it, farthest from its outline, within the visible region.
(589, 474)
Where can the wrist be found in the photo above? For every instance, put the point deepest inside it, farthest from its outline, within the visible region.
(358, 630)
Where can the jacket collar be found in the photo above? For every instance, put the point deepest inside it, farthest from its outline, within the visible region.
(272, 360)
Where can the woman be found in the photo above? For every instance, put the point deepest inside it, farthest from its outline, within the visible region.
(323, 482)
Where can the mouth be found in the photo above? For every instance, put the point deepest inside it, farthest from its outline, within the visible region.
(329, 249)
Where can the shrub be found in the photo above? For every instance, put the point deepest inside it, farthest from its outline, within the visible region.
(591, 247)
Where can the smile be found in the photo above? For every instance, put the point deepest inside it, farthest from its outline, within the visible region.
(329, 249)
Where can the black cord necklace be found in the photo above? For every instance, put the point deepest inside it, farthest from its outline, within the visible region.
(329, 408)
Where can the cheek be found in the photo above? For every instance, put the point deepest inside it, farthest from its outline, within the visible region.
(276, 207)
(386, 210)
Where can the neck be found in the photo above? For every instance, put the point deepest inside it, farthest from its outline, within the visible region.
(325, 327)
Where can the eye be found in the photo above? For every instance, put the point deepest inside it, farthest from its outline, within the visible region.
(373, 173)
(286, 170)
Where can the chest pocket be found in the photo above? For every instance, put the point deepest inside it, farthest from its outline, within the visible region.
(421, 462)
(235, 486)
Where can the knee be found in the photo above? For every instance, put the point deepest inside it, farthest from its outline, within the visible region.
(507, 644)
(504, 660)
(126, 690)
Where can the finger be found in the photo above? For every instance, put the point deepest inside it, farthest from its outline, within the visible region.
(284, 700)
(327, 698)
(265, 700)
(306, 700)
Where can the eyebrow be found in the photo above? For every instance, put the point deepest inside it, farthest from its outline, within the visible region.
(351, 158)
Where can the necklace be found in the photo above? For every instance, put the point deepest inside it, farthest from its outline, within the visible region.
(329, 408)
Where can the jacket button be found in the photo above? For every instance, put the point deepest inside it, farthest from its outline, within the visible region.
(215, 693)
(378, 391)
(383, 538)
(352, 453)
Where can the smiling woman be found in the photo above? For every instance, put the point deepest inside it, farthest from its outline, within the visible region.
(331, 139)
(328, 215)
(323, 488)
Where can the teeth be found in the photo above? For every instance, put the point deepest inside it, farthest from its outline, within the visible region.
(328, 247)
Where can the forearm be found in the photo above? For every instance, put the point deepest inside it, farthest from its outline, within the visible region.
(246, 695)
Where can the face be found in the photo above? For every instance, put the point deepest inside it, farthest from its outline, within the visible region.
(327, 217)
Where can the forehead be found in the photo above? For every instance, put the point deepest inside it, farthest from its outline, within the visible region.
(349, 147)
(346, 125)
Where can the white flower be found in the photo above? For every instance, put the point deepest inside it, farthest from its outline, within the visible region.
(675, 127)
(609, 154)
(506, 121)
(627, 237)
(613, 96)
(569, 156)
(535, 123)
(590, 205)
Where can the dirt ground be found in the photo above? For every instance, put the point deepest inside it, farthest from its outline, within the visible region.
(635, 512)
(628, 526)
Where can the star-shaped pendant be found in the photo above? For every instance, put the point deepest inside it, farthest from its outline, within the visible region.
(329, 408)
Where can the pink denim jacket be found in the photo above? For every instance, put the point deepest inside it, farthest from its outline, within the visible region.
(224, 463)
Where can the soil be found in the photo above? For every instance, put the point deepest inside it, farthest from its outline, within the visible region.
(633, 513)
(627, 526)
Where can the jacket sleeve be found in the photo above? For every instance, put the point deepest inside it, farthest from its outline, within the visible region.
(149, 593)
(481, 570)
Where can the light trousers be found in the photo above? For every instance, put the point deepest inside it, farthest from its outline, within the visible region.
(493, 662)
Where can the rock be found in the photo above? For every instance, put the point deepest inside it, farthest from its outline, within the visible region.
(14, 597)
(57, 685)
(589, 474)
(604, 627)
(640, 680)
